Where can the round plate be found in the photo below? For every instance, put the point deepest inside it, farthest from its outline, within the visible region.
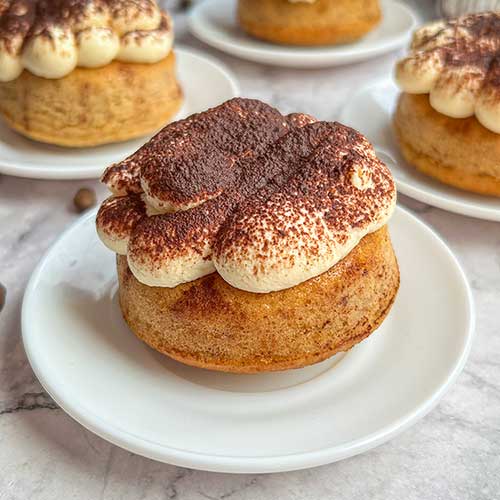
(205, 83)
(370, 111)
(104, 377)
(214, 22)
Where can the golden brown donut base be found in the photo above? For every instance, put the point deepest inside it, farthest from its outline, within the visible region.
(324, 22)
(209, 324)
(458, 152)
(89, 107)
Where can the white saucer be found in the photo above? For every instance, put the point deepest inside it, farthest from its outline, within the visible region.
(113, 384)
(205, 82)
(214, 22)
(370, 111)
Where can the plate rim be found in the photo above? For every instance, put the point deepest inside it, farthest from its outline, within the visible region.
(291, 56)
(247, 465)
(32, 171)
(407, 188)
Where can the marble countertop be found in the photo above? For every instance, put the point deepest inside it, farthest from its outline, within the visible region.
(453, 453)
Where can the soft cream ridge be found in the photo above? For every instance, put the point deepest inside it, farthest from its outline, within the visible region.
(264, 246)
(460, 90)
(100, 34)
(276, 273)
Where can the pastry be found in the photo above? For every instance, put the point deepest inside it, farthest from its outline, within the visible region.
(250, 241)
(308, 22)
(447, 121)
(86, 72)
(455, 8)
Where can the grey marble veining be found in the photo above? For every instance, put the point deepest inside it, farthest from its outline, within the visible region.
(453, 453)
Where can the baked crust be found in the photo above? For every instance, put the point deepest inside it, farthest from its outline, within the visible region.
(458, 152)
(323, 22)
(209, 324)
(89, 107)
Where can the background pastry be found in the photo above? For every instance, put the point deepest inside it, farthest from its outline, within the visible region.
(269, 252)
(455, 8)
(448, 117)
(86, 72)
(308, 22)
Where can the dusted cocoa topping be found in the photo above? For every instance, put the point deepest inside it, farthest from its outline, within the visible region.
(16, 19)
(169, 236)
(305, 181)
(190, 160)
(122, 214)
(266, 200)
(117, 218)
(51, 37)
(20, 17)
(300, 119)
(457, 63)
(472, 40)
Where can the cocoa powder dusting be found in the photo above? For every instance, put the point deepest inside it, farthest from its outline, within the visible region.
(472, 41)
(22, 19)
(247, 166)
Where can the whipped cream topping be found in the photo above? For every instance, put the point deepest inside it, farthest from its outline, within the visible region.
(50, 38)
(458, 64)
(97, 47)
(268, 201)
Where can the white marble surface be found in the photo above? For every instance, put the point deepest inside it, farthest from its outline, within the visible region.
(453, 453)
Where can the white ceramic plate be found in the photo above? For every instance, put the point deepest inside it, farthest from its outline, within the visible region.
(370, 111)
(205, 83)
(113, 384)
(214, 22)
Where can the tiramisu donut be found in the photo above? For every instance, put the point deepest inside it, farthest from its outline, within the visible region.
(251, 241)
(86, 72)
(448, 117)
(308, 22)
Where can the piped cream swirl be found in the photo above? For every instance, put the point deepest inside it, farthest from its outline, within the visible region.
(51, 38)
(265, 200)
(458, 64)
